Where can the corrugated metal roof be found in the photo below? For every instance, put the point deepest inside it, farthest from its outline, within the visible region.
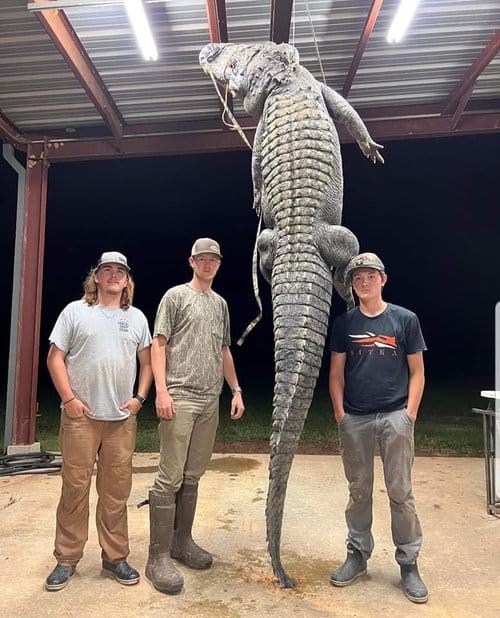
(38, 90)
(443, 40)
(172, 87)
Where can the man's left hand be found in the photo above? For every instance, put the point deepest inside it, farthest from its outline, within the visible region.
(133, 405)
(237, 406)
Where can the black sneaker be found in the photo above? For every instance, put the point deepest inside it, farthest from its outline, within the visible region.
(413, 586)
(59, 577)
(353, 567)
(121, 571)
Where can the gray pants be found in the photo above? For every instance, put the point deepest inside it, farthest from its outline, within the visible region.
(393, 432)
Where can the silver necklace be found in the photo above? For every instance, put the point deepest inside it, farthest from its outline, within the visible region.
(109, 312)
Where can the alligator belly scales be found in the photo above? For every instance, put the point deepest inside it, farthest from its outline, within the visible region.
(298, 185)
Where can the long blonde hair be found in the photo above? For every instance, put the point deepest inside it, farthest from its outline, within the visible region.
(90, 290)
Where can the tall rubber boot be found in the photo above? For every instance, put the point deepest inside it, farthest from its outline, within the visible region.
(160, 568)
(183, 546)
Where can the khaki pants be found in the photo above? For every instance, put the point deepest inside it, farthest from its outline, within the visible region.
(82, 440)
(186, 444)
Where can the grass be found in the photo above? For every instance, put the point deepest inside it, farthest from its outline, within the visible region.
(445, 425)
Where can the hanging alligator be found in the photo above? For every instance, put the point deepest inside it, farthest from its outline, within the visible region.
(298, 186)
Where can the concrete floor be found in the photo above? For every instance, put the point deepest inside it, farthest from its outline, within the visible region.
(460, 560)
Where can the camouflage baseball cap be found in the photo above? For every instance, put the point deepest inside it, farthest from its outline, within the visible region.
(364, 260)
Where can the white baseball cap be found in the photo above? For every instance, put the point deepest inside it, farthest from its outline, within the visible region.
(113, 257)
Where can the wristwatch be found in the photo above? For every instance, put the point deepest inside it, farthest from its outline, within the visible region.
(236, 390)
(140, 399)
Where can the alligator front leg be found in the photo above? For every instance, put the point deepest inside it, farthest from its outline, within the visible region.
(341, 111)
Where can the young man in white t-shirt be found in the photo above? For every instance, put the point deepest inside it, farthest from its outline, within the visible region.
(92, 360)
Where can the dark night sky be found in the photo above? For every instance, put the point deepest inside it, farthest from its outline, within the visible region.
(431, 212)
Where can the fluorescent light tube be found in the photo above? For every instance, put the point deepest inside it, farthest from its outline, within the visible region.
(140, 26)
(403, 17)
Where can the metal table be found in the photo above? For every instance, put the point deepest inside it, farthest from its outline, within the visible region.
(489, 429)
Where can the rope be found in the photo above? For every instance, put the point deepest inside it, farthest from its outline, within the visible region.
(315, 40)
(227, 111)
(255, 279)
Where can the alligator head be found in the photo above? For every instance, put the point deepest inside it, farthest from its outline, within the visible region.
(250, 72)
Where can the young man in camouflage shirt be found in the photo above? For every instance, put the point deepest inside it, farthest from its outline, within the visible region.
(190, 359)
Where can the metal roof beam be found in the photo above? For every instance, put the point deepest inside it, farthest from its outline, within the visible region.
(462, 104)
(148, 146)
(138, 130)
(220, 141)
(217, 26)
(217, 20)
(11, 133)
(281, 17)
(213, 124)
(64, 37)
(462, 92)
(362, 43)
(436, 126)
(41, 5)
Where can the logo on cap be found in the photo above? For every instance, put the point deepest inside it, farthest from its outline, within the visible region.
(113, 257)
(206, 245)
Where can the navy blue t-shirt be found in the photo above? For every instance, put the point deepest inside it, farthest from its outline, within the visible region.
(376, 369)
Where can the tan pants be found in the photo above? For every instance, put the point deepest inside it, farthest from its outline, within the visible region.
(82, 440)
(186, 444)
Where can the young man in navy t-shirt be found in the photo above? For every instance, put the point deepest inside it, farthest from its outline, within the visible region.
(376, 385)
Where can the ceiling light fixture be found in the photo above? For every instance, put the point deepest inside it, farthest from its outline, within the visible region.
(142, 30)
(403, 16)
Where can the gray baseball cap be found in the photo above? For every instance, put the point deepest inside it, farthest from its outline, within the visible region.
(113, 257)
(364, 260)
(206, 245)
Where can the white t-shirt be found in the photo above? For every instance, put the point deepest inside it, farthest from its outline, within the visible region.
(101, 345)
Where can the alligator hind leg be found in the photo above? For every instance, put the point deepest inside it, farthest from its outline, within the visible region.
(343, 287)
(266, 245)
(337, 245)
